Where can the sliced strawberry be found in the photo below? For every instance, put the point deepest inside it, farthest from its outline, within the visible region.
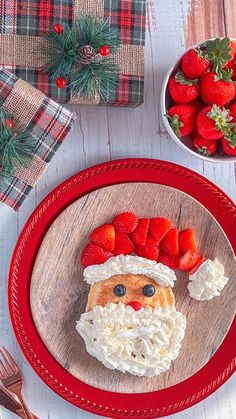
(123, 245)
(198, 264)
(187, 240)
(159, 227)
(170, 243)
(104, 236)
(189, 260)
(150, 250)
(125, 222)
(139, 235)
(94, 255)
(171, 261)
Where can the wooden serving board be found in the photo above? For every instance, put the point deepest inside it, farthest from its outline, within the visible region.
(58, 294)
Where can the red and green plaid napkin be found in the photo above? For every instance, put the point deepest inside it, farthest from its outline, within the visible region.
(24, 23)
(46, 120)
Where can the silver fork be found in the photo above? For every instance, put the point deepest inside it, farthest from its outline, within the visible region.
(12, 379)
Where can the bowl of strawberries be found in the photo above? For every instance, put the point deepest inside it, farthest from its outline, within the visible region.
(198, 100)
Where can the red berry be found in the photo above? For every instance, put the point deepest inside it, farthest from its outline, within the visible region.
(58, 28)
(123, 245)
(61, 82)
(193, 65)
(171, 261)
(170, 243)
(182, 119)
(125, 222)
(136, 305)
(159, 227)
(104, 236)
(228, 147)
(187, 240)
(210, 122)
(139, 235)
(181, 89)
(204, 146)
(150, 250)
(215, 90)
(10, 123)
(94, 255)
(104, 50)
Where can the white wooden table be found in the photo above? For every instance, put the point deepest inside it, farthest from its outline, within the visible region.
(109, 133)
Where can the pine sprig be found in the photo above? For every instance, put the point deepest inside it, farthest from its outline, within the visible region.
(89, 79)
(14, 146)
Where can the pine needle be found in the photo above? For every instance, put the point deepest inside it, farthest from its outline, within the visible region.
(86, 80)
(14, 146)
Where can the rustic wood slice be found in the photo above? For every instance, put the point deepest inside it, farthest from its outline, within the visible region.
(59, 295)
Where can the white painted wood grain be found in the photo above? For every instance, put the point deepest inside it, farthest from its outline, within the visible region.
(108, 133)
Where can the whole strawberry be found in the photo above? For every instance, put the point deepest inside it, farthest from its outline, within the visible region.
(183, 90)
(193, 64)
(203, 146)
(217, 87)
(229, 147)
(182, 119)
(212, 121)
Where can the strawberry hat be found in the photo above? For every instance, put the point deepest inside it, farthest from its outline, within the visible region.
(129, 244)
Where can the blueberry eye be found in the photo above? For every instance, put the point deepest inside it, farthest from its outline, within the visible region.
(119, 290)
(149, 290)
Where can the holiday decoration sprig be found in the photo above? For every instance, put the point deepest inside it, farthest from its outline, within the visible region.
(14, 146)
(80, 57)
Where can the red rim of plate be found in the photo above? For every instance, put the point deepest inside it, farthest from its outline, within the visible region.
(155, 404)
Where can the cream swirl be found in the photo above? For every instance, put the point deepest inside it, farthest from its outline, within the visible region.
(208, 281)
(135, 265)
(143, 342)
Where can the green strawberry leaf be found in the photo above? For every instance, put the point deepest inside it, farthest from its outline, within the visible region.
(217, 51)
(181, 79)
(175, 123)
(203, 150)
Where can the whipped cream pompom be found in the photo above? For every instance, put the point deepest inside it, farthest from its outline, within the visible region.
(208, 281)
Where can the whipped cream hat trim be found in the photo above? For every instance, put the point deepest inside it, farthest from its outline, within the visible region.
(135, 265)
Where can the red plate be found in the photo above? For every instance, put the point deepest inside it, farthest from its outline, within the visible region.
(158, 403)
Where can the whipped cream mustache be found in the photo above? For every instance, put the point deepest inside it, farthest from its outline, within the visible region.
(143, 342)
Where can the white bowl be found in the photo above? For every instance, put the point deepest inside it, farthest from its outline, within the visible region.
(186, 142)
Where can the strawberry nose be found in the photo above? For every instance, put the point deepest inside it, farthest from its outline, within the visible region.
(136, 305)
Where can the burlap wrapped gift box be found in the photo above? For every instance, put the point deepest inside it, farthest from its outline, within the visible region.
(46, 120)
(24, 24)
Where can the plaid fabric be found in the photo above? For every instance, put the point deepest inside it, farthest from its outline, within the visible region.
(35, 18)
(48, 123)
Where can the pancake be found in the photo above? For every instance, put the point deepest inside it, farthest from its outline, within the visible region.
(101, 293)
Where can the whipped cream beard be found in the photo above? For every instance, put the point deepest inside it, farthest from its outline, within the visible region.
(143, 342)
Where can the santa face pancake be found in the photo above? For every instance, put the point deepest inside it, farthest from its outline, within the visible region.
(131, 323)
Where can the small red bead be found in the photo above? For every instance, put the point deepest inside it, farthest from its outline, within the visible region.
(61, 82)
(10, 123)
(58, 28)
(136, 305)
(104, 50)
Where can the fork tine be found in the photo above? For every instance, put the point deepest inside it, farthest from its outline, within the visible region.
(6, 364)
(13, 362)
(3, 372)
